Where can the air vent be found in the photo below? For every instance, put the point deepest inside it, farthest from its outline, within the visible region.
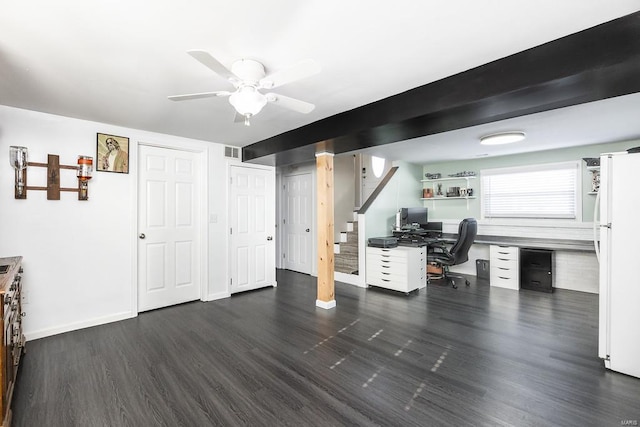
(232, 152)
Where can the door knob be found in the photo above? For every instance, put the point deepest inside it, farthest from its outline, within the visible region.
(142, 236)
(307, 230)
(269, 238)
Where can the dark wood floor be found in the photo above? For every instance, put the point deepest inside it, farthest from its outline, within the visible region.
(472, 356)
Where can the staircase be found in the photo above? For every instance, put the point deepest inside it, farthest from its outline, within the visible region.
(346, 250)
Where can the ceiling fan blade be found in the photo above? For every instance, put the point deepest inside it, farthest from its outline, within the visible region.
(212, 63)
(299, 71)
(198, 95)
(290, 103)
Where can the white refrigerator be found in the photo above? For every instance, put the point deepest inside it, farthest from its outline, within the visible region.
(619, 332)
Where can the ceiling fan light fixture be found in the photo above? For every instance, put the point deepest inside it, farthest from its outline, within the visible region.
(502, 138)
(247, 100)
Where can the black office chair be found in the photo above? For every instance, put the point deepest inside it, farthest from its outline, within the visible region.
(458, 253)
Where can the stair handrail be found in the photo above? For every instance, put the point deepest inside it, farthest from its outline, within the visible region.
(378, 190)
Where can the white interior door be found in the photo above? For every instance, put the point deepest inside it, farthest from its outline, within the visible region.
(168, 227)
(252, 219)
(371, 175)
(297, 222)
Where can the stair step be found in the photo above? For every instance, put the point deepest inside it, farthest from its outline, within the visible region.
(348, 248)
(345, 263)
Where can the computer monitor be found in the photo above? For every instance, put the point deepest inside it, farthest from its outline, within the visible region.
(414, 216)
(433, 228)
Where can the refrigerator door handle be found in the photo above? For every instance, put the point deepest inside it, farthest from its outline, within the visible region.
(596, 220)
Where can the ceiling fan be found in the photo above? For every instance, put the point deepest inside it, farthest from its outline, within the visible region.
(248, 77)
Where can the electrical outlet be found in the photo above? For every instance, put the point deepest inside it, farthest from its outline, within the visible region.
(24, 297)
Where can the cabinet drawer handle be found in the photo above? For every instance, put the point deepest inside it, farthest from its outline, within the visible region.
(385, 280)
(385, 266)
(385, 273)
(503, 268)
(503, 278)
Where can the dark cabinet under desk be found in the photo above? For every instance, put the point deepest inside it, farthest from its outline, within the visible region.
(536, 269)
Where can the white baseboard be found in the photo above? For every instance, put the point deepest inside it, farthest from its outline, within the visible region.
(217, 296)
(351, 279)
(42, 333)
(326, 304)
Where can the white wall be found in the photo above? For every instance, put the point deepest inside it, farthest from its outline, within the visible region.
(344, 193)
(402, 191)
(80, 256)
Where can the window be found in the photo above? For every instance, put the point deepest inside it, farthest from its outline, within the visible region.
(377, 165)
(538, 191)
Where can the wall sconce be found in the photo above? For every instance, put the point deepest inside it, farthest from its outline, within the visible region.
(18, 159)
(85, 168)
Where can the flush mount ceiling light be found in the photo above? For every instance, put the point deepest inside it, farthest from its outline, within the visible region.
(502, 138)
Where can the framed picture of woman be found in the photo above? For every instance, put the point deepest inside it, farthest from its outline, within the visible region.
(113, 153)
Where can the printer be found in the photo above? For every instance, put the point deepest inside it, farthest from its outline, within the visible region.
(383, 242)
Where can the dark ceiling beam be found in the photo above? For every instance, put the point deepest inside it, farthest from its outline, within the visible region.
(594, 64)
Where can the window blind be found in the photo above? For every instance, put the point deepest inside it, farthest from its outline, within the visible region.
(540, 191)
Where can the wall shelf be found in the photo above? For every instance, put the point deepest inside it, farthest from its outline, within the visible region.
(433, 183)
(448, 198)
(450, 178)
(595, 179)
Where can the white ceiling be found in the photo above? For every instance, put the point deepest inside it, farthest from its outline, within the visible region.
(116, 62)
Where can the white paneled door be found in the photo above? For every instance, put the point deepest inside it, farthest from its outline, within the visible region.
(168, 227)
(252, 231)
(297, 223)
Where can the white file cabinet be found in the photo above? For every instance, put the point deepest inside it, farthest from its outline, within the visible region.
(504, 266)
(401, 269)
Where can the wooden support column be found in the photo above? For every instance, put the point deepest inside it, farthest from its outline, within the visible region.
(324, 174)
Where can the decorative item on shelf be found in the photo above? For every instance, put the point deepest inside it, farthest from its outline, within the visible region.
(436, 175)
(463, 192)
(18, 159)
(469, 192)
(592, 161)
(453, 192)
(427, 193)
(439, 193)
(595, 181)
(462, 174)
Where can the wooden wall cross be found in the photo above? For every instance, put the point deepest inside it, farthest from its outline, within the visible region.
(53, 188)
